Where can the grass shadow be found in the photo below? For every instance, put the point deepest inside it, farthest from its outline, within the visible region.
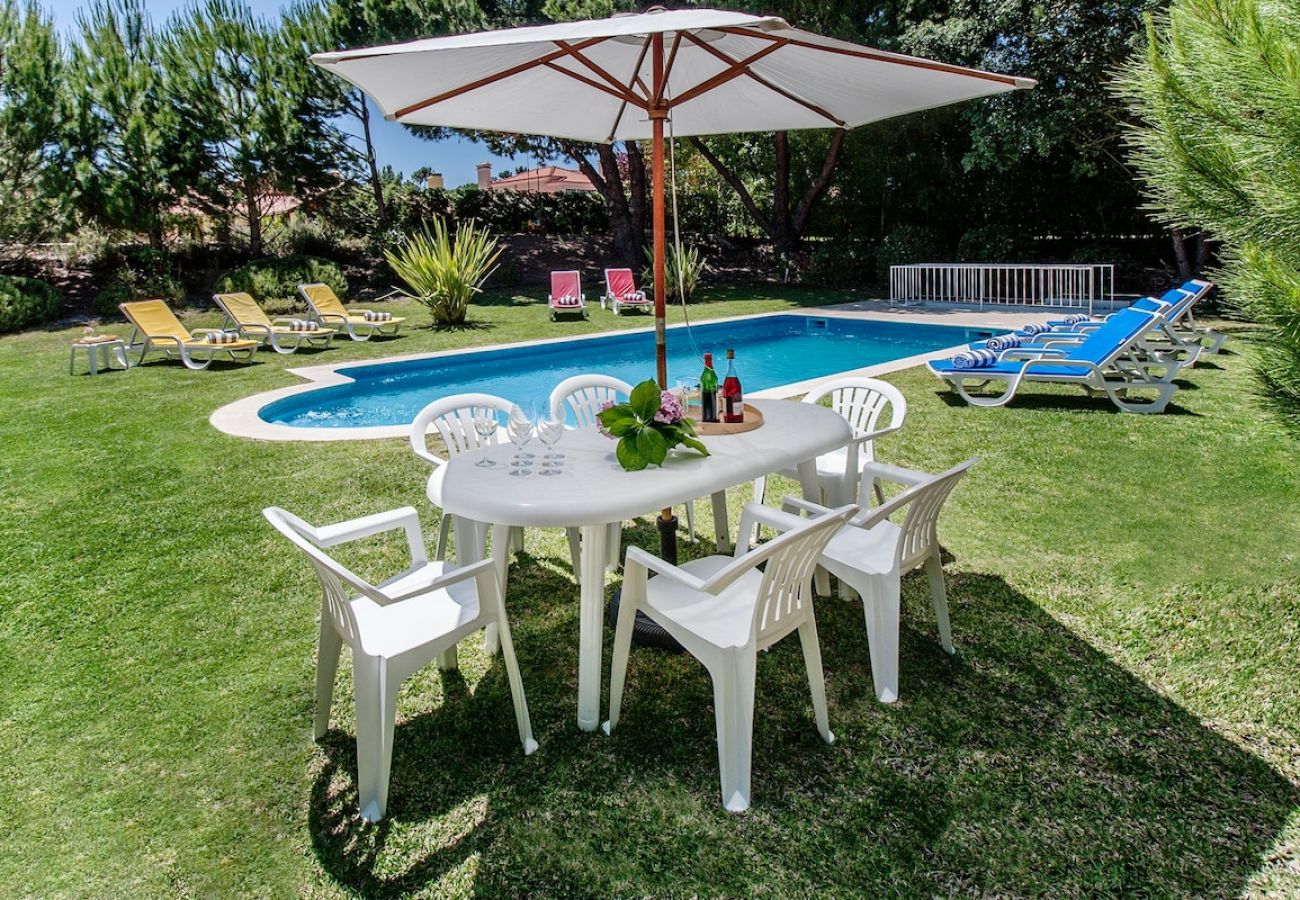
(1028, 764)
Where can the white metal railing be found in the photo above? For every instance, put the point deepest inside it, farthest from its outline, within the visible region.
(1070, 286)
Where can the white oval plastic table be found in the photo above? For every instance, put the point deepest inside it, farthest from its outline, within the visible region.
(594, 492)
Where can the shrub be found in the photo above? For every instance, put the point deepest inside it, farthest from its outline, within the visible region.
(274, 281)
(907, 244)
(442, 273)
(304, 236)
(992, 244)
(138, 273)
(683, 268)
(26, 301)
(840, 263)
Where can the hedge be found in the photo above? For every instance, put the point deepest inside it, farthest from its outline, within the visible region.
(26, 301)
(274, 281)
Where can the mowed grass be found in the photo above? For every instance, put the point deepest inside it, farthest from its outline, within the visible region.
(1122, 717)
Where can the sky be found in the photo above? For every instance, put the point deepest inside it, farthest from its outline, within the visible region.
(455, 158)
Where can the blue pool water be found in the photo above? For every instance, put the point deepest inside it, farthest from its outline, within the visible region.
(770, 351)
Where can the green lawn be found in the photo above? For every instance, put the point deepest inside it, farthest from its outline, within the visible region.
(1123, 715)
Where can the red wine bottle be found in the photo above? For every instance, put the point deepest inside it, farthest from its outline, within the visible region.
(708, 391)
(733, 400)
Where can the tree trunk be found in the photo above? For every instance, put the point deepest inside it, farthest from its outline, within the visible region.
(610, 184)
(254, 217)
(636, 187)
(782, 230)
(1179, 238)
(376, 184)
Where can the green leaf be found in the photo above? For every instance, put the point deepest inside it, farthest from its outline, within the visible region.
(628, 425)
(695, 445)
(628, 456)
(652, 445)
(645, 400)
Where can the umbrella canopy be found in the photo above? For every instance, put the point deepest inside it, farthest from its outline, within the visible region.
(721, 72)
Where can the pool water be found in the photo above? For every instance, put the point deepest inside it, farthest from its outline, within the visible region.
(770, 351)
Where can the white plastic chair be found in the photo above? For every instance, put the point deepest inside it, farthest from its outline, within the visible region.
(394, 629)
(871, 554)
(583, 397)
(862, 402)
(723, 610)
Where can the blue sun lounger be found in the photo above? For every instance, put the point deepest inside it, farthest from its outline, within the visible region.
(1105, 361)
(1176, 306)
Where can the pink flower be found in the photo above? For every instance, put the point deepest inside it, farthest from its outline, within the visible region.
(600, 426)
(670, 409)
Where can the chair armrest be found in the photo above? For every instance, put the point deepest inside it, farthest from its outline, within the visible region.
(1017, 354)
(328, 316)
(873, 435)
(798, 504)
(265, 329)
(754, 514)
(450, 577)
(355, 529)
(639, 557)
(198, 331)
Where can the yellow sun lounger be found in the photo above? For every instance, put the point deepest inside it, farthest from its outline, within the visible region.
(329, 310)
(252, 321)
(155, 329)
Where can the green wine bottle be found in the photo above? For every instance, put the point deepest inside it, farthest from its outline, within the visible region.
(708, 391)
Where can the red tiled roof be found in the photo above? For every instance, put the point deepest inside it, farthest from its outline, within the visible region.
(547, 178)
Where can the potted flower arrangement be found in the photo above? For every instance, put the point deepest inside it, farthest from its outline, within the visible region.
(647, 426)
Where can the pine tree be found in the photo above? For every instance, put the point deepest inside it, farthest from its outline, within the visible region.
(124, 144)
(32, 117)
(1218, 106)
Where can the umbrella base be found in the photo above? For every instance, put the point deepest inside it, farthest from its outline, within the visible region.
(646, 632)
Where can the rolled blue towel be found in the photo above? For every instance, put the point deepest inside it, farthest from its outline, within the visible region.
(975, 359)
(1033, 329)
(1002, 342)
(1075, 319)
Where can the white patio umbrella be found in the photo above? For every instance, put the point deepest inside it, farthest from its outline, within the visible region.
(621, 78)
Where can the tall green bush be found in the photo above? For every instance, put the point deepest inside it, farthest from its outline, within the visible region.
(274, 280)
(1218, 112)
(26, 301)
(442, 272)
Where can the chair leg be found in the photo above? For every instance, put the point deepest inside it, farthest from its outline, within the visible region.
(939, 596)
(721, 531)
(627, 608)
(522, 720)
(327, 666)
(880, 491)
(880, 603)
(812, 658)
(376, 703)
(444, 531)
(690, 521)
(733, 700)
(575, 553)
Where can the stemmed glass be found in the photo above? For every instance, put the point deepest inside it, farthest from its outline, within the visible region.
(550, 429)
(485, 425)
(519, 428)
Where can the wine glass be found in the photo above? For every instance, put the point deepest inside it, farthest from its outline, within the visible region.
(519, 428)
(549, 430)
(485, 425)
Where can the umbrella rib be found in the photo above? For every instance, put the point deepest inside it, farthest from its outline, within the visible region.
(613, 82)
(589, 82)
(806, 104)
(878, 56)
(736, 69)
(492, 79)
(635, 79)
(668, 68)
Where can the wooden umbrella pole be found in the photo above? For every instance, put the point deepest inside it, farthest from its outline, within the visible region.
(658, 112)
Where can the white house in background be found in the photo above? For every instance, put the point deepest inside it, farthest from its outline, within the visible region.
(546, 180)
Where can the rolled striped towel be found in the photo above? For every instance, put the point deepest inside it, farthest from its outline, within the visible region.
(372, 316)
(1002, 342)
(975, 359)
(1034, 328)
(301, 325)
(1075, 319)
(222, 337)
(568, 300)
(634, 297)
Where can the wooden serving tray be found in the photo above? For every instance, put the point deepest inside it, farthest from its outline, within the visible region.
(753, 419)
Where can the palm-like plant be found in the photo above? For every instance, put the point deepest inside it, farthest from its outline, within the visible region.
(683, 267)
(442, 272)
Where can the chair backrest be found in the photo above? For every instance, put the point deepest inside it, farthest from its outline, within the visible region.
(243, 309)
(1115, 335)
(321, 297)
(862, 402)
(921, 503)
(785, 596)
(453, 417)
(336, 599)
(586, 395)
(566, 284)
(154, 318)
(620, 282)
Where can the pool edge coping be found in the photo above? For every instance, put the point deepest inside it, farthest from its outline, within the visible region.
(240, 418)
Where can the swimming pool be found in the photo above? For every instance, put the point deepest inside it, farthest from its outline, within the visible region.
(771, 350)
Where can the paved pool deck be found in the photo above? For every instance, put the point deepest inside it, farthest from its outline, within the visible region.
(241, 418)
